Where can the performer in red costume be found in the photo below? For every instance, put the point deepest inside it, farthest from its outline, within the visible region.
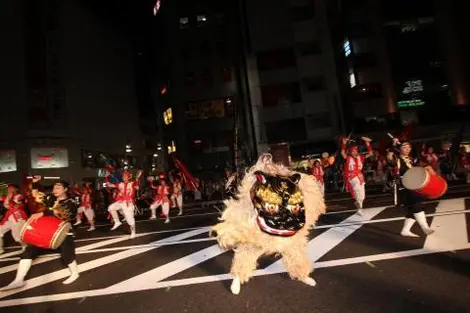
(317, 172)
(353, 167)
(15, 216)
(177, 194)
(125, 200)
(430, 158)
(86, 208)
(464, 164)
(161, 199)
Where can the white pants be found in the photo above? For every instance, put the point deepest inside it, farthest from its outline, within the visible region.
(126, 208)
(358, 190)
(14, 226)
(177, 201)
(88, 211)
(321, 186)
(165, 208)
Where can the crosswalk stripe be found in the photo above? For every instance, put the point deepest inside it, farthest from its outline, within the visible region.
(447, 214)
(47, 278)
(323, 243)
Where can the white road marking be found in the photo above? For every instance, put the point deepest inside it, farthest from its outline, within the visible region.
(450, 229)
(44, 279)
(323, 243)
(214, 278)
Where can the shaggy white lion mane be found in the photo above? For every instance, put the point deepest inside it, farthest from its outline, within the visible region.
(238, 229)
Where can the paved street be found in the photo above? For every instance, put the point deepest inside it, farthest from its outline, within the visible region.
(362, 265)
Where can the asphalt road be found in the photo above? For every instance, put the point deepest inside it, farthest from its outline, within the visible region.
(362, 265)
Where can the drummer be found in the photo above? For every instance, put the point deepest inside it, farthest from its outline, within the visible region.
(414, 211)
(60, 205)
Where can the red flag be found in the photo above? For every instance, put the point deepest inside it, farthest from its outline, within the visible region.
(186, 176)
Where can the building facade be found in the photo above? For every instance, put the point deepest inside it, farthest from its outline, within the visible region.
(67, 91)
(401, 64)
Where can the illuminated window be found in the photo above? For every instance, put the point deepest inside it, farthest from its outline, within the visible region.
(172, 148)
(168, 116)
(347, 47)
(352, 79)
(184, 22)
(201, 20)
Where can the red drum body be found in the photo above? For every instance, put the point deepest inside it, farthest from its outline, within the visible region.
(47, 232)
(427, 185)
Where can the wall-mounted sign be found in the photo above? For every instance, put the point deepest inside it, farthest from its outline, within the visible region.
(49, 158)
(206, 109)
(411, 103)
(413, 86)
(7, 161)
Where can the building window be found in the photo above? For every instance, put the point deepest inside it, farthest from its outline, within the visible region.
(367, 91)
(309, 48)
(347, 48)
(365, 59)
(171, 148)
(226, 74)
(201, 20)
(302, 13)
(281, 94)
(286, 130)
(358, 30)
(208, 77)
(190, 79)
(184, 22)
(352, 79)
(186, 53)
(222, 47)
(314, 83)
(318, 120)
(168, 116)
(206, 50)
(276, 59)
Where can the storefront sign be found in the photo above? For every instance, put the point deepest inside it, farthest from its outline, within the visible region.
(7, 161)
(49, 158)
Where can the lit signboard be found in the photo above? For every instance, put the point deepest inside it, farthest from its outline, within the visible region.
(7, 161)
(411, 103)
(49, 158)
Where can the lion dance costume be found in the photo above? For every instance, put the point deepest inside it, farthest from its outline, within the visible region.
(272, 214)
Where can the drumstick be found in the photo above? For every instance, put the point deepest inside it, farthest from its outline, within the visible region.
(45, 177)
(391, 136)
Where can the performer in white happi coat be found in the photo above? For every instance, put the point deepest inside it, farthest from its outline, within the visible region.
(125, 200)
(353, 175)
(161, 199)
(86, 208)
(15, 217)
(177, 194)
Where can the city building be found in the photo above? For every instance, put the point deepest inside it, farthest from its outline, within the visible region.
(68, 91)
(294, 89)
(239, 83)
(202, 102)
(400, 63)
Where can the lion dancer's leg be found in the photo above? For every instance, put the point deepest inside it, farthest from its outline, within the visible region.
(243, 265)
(179, 202)
(358, 192)
(298, 264)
